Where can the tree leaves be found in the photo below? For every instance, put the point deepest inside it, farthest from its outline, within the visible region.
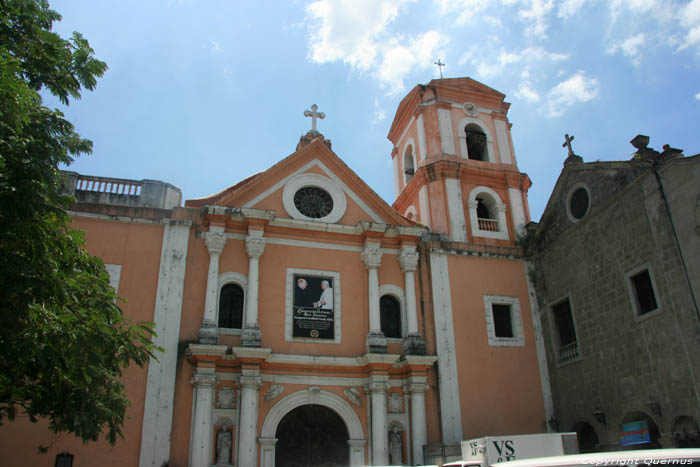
(64, 342)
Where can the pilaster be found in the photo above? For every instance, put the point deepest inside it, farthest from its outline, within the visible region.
(380, 449)
(250, 383)
(372, 257)
(204, 382)
(254, 246)
(215, 240)
(413, 343)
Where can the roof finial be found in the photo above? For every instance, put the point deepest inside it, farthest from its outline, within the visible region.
(567, 142)
(440, 65)
(314, 115)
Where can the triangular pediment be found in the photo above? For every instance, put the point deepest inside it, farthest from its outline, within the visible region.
(313, 165)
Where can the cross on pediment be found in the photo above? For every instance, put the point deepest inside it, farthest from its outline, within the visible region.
(440, 65)
(567, 143)
(314, 115)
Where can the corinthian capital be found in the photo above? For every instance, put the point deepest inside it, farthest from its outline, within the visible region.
(215, 240)
(204, 381)
(255, 244)
(372, 255)
(408, 258)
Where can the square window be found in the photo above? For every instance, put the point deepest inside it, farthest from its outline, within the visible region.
(504, 324)
(502, 321)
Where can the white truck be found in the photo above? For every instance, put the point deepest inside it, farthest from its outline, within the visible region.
(491, 450)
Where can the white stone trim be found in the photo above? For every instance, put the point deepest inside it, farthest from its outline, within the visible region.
(289, 306)
(424, 204)
(319, 181)
(634, 304)
(422, 154)
(309, 244)
(500, 207)
(126, 219)
(516, 321)
(570, 194)
(326, 399)
(160, 387)
(399, 294)
(330, 174)
(517, 209)
(540, 346)
(397, 178)
(231, 278)
(506, 156)
(462, 137)
(446, 134)
(455, 207)
(115, 273)
(445, 341)
(405, 132)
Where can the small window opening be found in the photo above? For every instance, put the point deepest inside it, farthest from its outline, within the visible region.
(482, 211)
(644, 292)
(568, 347)
(231, 306)
(408, 168)
(390, 316)
(476, 142)
(579, 203)
(485, 215)
(502, 320)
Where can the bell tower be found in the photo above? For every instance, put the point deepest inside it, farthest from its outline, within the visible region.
(454, 165)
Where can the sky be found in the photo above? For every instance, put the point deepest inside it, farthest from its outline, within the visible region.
(202, 94)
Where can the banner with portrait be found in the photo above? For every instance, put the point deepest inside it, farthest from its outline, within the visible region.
(313, 307)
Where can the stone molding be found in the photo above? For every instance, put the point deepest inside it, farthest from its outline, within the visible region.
(371, 255)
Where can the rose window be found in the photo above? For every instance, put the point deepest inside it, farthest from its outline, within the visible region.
(313, 202)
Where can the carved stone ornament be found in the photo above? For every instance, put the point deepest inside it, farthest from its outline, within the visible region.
(470, 109)
(226, 398)
(395, 403)
(354, 396)
(215, 242)
(274, 391)
(408, 258)
(372, 255)
(255, 244)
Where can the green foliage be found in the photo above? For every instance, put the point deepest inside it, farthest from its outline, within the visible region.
(63, 340)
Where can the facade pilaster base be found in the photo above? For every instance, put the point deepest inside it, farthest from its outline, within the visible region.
(376, 342)
(414, 344)
(251, 336)
(267, 451)
(208, 334)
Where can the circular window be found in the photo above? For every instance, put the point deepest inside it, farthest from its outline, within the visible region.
(313, 197)
(313, 202)
(579, 203)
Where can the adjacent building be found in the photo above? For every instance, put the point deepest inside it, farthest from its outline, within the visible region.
(616, 261)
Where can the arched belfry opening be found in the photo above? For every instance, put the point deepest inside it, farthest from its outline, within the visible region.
(476, 142)
(408, 167)
(311, 435)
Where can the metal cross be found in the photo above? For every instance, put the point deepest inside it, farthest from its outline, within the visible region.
(567, 143)
(440, 65)
(314, 115)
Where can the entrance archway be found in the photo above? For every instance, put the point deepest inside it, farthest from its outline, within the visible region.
(311, 435)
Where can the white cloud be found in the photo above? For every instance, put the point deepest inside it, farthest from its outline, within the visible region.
(537, 13)
(630, 47)
(697, 96)
(569, 8)
(355, 32)
(526, 93)
(215, 47)
(378, 114)
(529, 55)
(578, 88)
(690, 20)
(464, 9)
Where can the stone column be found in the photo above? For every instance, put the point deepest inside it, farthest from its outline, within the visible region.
(413, 343)
(248, 428)
(372, 257)
(254, 246)
(380, 436)
(215, 240)
(204, 382)
(417, 389)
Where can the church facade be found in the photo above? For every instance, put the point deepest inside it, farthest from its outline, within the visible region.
(307, 322)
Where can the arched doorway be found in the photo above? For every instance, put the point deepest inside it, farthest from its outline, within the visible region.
(651, 426)
(587, 437)
(311, 435)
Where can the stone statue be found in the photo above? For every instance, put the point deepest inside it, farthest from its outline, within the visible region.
(395, 445)
(224, 441)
